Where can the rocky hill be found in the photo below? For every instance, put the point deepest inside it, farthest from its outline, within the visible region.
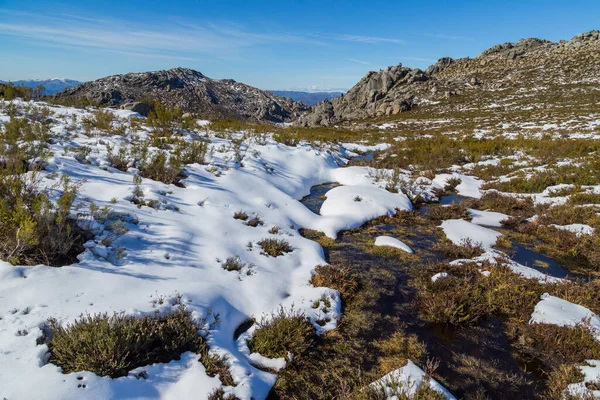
(495, 73)
(189, 91)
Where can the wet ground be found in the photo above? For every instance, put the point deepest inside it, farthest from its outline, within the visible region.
(468, 355)
(317, 196)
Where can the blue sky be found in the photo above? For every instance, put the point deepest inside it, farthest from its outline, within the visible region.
(268, 44)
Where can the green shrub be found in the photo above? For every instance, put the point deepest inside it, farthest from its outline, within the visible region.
(275, 247)
(192, 153)
(33, 230)
(163, 120)
(285, 331)
(113, 345)
(160, 168)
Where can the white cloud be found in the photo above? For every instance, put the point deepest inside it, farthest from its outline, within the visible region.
(171, 38)
(359, 61)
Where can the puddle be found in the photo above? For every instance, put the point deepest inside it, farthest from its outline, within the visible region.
(446, 200)
(315, 199)
(452, 199)
(532, 259)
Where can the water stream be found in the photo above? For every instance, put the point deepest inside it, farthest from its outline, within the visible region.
(396, 308)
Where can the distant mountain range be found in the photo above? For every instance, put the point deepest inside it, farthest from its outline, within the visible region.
(52, 86)
(309, 98)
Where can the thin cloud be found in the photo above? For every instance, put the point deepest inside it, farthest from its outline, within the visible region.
(183, 39)
(368, 39)
(359, 61)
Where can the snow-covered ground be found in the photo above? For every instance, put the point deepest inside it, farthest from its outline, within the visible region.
(177, 250)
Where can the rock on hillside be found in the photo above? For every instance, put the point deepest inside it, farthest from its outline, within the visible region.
(526, 63)
(189, 91)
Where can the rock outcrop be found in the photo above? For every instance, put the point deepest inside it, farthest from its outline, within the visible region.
(189, 91)
(528, 62)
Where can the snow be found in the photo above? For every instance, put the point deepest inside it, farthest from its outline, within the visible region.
(487, 218)
(468, 187)
(579, 229)
(342, 210)
(177, 250)
(556, 311)
(591, 373)
(363, 148)
(458, 231)
(407, 381)
(393, 242)
(438, 276)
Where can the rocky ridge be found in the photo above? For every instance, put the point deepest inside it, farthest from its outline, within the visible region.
(188, 90)
(526, 63)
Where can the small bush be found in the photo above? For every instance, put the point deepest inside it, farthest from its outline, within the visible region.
(216, 365)
(514, 206)
(234, 264)
(192, 153)
(219, 394)
(555, 345)
(159, 169)
(285, 331)
(452, 183)
(113, 345)
(255, 221)
(275, 247)
(163, 120)
(437, 212)
(467, 249)
(241, 215)
(118, 160)
(33, 230)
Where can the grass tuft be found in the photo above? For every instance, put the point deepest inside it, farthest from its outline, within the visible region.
(286, 331)
(275, 247)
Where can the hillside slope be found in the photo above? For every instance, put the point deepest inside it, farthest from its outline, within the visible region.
(502, 68)
(189, 91)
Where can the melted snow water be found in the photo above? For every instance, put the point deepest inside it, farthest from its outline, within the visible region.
(533, 259)
(446, 200)
(315, 199)
(452, 199)
(394, 307)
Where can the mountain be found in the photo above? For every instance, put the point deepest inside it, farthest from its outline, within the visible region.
(189, 91)
(310, 98)
(51, 85)
(557, 68)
